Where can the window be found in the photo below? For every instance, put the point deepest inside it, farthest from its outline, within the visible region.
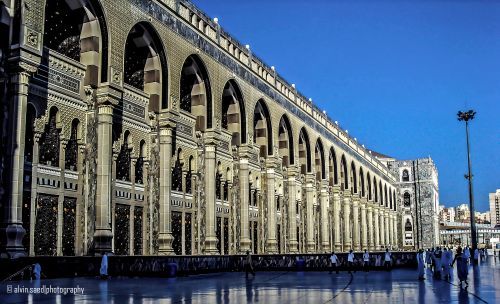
(407, 199)
(405, 176)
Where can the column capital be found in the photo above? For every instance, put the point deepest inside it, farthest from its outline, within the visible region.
(109, 94)
(292, 171)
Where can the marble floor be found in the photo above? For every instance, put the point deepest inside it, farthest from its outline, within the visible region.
(397, 286)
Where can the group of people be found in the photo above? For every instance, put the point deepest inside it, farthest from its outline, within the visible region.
(335, 262)
(441, 261)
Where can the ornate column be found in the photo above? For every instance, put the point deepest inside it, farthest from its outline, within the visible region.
(347, 221)
(370, 228)
(364, 232)
(336, 218)
(271, 243)
(103, 235)
(245, 241)
(34, 191)
(355, 222)
(165, 237)
(310, 244)
(325, 236)
(210, 236)
(376, 226)
(292, 216)
(12, 231)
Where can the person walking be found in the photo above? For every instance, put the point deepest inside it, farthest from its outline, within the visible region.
(350, 261)
(428, 257)
(421, 265)
(387, 259)
(333, 261)
(103, 271)
(366, 261)
(466, 253)
(476, 256)
(248, 264)
(446, 260)
(462, 267)
(437, 263)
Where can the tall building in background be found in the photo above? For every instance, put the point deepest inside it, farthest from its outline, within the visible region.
(446, 214)
(463, 213)
(418, 192)
(495, 207)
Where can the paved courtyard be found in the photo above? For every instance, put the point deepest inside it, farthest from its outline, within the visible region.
(398, 286)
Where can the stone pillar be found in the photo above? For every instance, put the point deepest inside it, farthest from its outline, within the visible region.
(292, 216)
(387, 228)
(34, 191)
(325, 236)
(391, 229)
(376, 227)
(210, 236)
(271, 243)
(356, 223)
(165, 237)
(245, 241)
(364, 228)
(371, 235)
(395, 230)
(103, 235)
(12, 231)
(347, 222)
(60, 199)
(310, 244)
(336, 219)
(382, 228)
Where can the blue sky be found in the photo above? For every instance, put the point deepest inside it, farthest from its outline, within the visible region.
(394, 73)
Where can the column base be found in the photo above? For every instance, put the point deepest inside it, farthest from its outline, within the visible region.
(271, 246)
(293, 246)
(165, 240)
(325, 247)
(364, 246)
(357, 248)
(338, 247)
(12, 236)
(245, 245)
(311, 247)
(211, 246)
(347, 247)
(102, 241)
(371, 248)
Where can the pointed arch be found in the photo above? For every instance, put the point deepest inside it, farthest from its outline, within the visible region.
(196, 96)
(285, 141)
(233, 113)
(344, 176)
(381, 200)
(145, 64)
(78, 30)
(354, 180)
(369, 184)
(319, 160)
(263, 128)
(304, 151)
(362, 182)
(386, 200)
(50, 139)
(332, 167)
(394, 200)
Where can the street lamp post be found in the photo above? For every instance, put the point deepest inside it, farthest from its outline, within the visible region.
(466, 116)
